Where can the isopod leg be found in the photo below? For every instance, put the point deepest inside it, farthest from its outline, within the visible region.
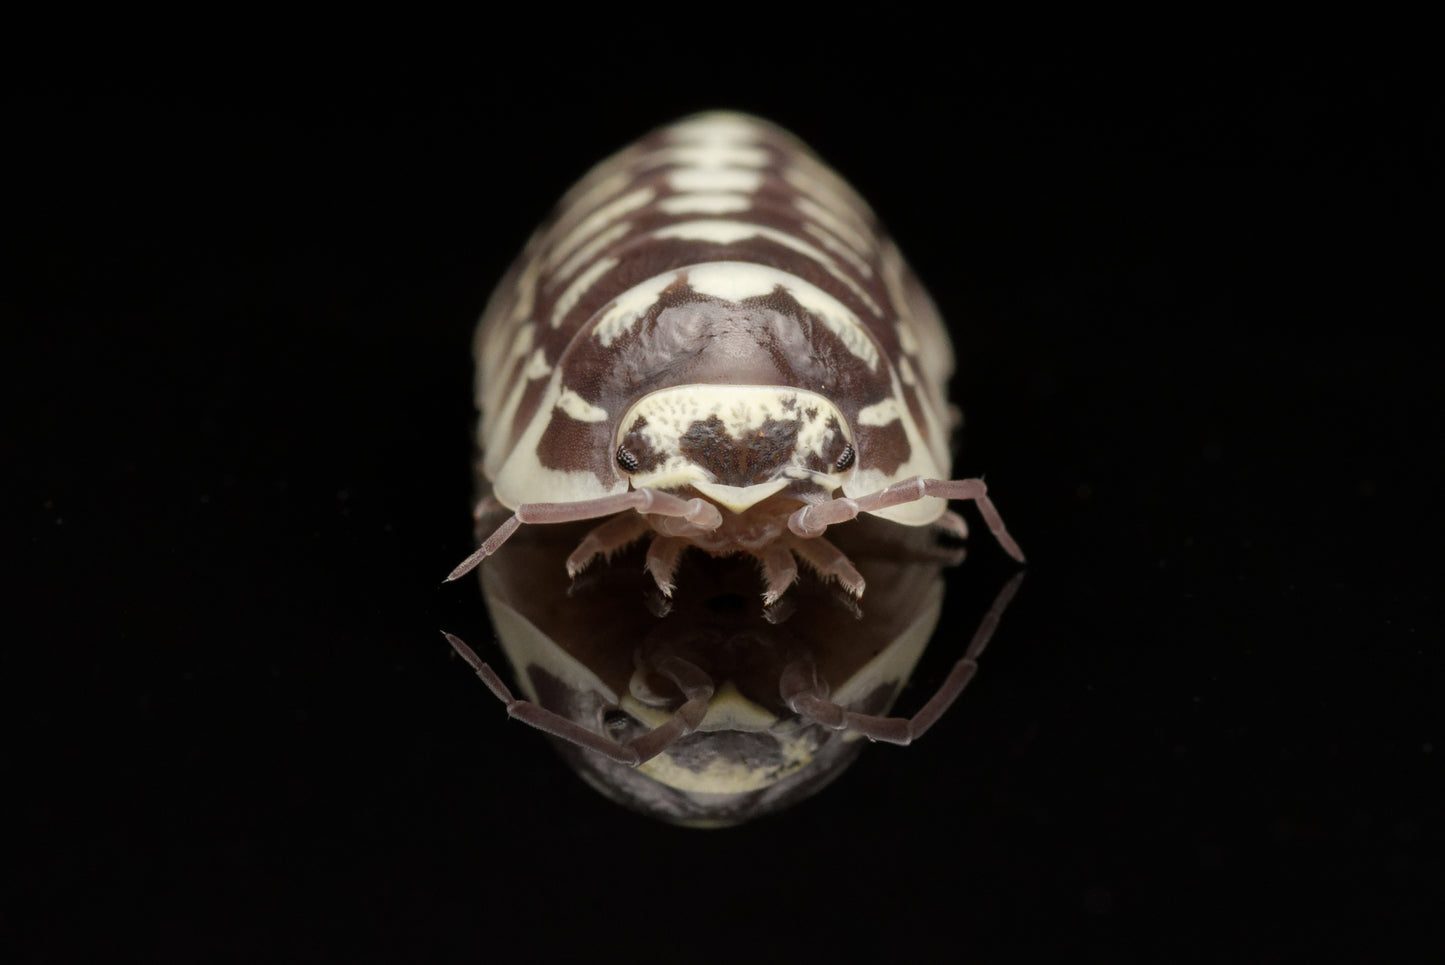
(489, 546)
(696, 686)
(539, 717)
(662, 557)
(807, 696)
(812, 520)
(779, 570)
(829, 561)
(606, 539)
(698, 511)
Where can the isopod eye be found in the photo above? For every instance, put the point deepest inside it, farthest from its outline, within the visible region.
(845, 461)
(616, 720)
(626, 459)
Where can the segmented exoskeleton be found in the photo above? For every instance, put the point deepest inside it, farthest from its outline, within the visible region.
(712, 342)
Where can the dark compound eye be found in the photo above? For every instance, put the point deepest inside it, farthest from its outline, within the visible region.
(845, 461)
(626, 459)
(616, 720)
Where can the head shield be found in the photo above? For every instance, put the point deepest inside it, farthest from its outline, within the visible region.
(736, 444)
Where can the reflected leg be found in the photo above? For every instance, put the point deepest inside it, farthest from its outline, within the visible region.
(807, 695)
(695, 685)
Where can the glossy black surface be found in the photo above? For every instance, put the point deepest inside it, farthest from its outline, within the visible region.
(1185, 295)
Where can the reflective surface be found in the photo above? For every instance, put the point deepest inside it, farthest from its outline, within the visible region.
(589, 652)
(1185, 294)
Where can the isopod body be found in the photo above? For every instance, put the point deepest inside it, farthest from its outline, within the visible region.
(712, 343)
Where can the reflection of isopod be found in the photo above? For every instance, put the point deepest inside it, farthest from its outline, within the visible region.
(712, 341)
(715, 714)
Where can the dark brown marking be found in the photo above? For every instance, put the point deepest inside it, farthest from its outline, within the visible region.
(570, 445)
(883, 448)
(740, 462)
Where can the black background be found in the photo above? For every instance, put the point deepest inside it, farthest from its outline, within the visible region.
(1185, 292)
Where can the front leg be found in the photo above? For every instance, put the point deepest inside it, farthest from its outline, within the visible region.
(812, 520)
(698, 512)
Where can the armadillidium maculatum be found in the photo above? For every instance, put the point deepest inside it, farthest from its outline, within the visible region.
(711, 342)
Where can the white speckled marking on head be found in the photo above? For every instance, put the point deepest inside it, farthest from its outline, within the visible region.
(742, 410)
